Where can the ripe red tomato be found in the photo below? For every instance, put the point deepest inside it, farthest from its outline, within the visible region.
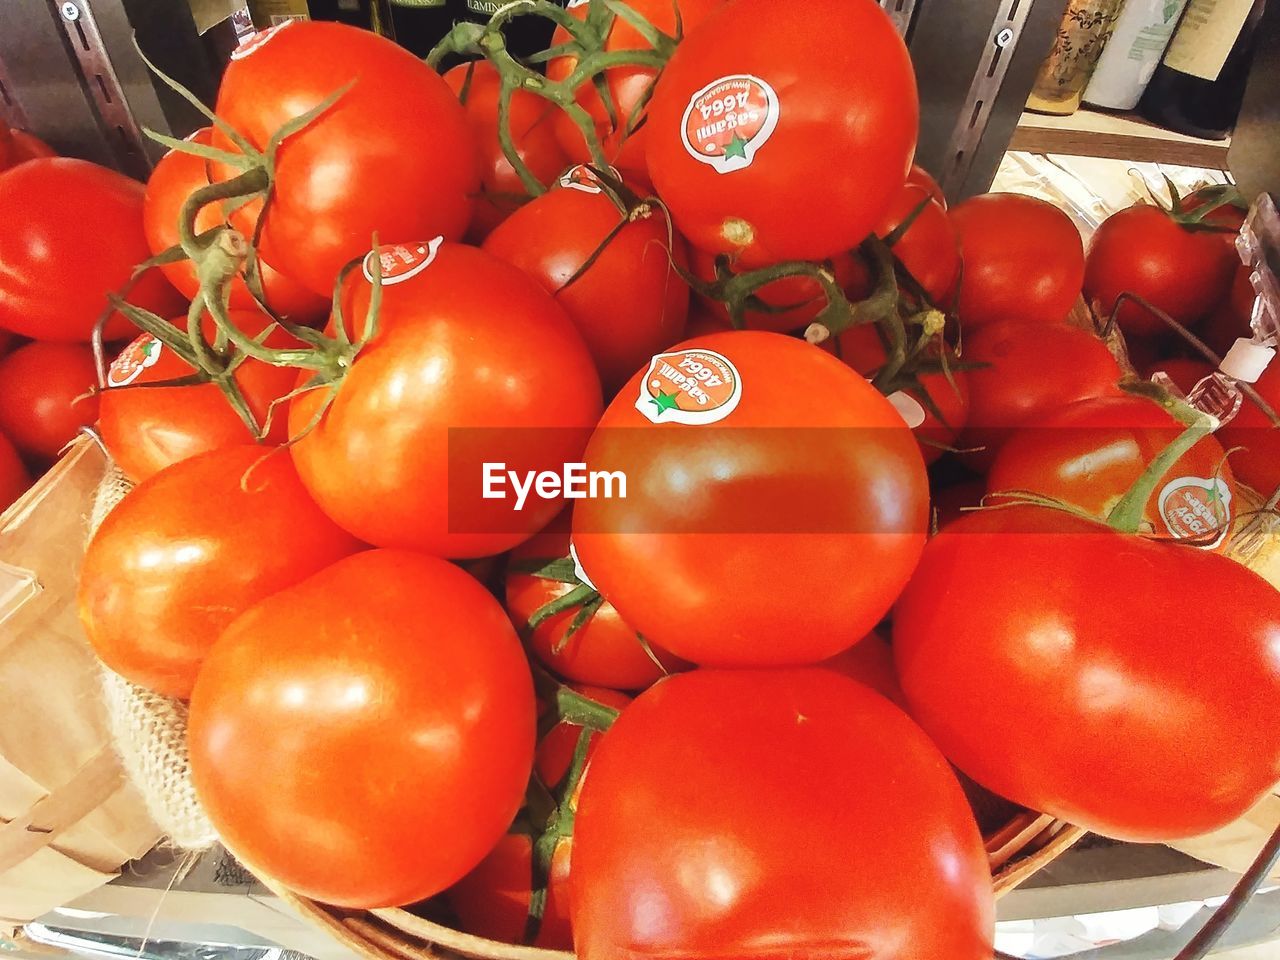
(1144, 251)
(922, 178)
(1031, 370)
(870, 662)
(451, 381)
(73, 234)
(18, 146)
(803, 295)
(1230, 320)
(1067, 667)
(1257, 462)
(175, 178)
(862, 349)
(604, 652)
(14, 478)
(532, 123)
(784, 131)
(1090, 452)
(7, 340)
(719, 490)
(631, 302)
(189, 550)
(950, 501)
(1023, 260)
(1225, 215)
(147, 428)
(386, 703)
(46, 396)
(630, 87)
(493, 899)
(930, 248)
(818, 786)
(1185, 372)
(394, 155)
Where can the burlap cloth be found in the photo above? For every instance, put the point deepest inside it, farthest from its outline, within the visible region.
(150, 731)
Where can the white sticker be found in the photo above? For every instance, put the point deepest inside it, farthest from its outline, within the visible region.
(256, 41)
(729, 120)
(577, 568)
(1196, 508)
(693, 387)
(908, 408)
(136, 357)
(402, 261)
(582, 177)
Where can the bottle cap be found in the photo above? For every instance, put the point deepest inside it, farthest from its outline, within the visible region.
(1247, 360)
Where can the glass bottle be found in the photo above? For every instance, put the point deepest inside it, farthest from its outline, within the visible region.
(1085, 27)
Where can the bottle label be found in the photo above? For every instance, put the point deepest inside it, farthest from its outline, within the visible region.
(133, 359)
(1206, 35)
(729, 120)
(693, 387)
(401, 261)
(1195, 508)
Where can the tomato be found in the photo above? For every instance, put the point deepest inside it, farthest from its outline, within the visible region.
(604, 652)
(1031, 370)
(175, 178)
(1144, 251)
(395, 155)
(73, 234)
(190, 549)
(14, 478)
(800, 159)
(1227, 217)
(473, 363)
(532, 124)
(1257, 461)
(745, 813)
(1122, 684)
(732, 498)
(803, 296)
(147, 428)
(629, 87)
(493, 899)
(17, 146)
(862, 349)
(630, 303)
(1185, 372)
(46, 396)
(1231, 319)
(930, 248)
(950, 501)
(1023, 260)
(1090, 452)
(921, 177)
(385, 703)
(870, 662)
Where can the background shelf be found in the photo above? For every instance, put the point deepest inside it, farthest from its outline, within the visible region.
(1087, 133)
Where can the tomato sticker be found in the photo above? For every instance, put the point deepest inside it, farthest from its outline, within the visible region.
(577, 567)
(136, 357)
(582, 177)
(255, 42)
(689, 386)
(1194, 508)
(402, 261)
(908, 407)
(727, 121)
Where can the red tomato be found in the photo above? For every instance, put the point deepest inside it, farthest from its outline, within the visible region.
(532, 123)
(779, 795)
(1031, 370)
(1144, 251)
(1231, 320)
(386, 703)
(630, 87)
(604, 652)
(1023, 260)
(803, 295)
(394, 155)
(189, 550)
(7, 340)
(1257, 462)
(930, 248)
(1185, 372)
(14, 478)
(719, 491)
(175, 178)
(17, 146)
(862, 349)
(949, 502)
(630, 303)
(493, 899)
(800, 159)
(147, 428)
(1090, 452)
(1118, 683)
(922, 178)
(73, 233)
(1226, 215)
(46, 396)
(870, 662)
(473, 363)
(704, 320)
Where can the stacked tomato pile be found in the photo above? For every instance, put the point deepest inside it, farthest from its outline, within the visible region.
(720, 715)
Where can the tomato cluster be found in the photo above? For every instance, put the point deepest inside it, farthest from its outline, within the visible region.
(708, 701)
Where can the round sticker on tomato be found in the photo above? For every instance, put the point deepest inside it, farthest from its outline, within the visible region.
(693, 387)
(256, 41)
(136, 357)
(582, 177)
(1195, 508)
(401, 261)
(729, 120)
